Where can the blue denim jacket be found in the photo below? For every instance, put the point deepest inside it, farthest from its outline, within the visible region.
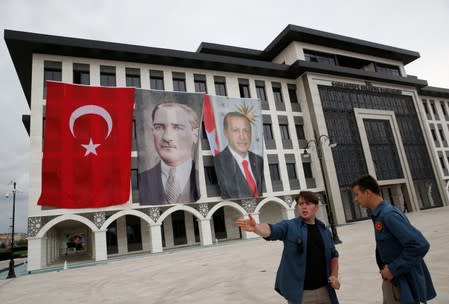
(292, 269)
(403, 247)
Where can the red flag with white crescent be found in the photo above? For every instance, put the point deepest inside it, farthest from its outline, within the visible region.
(87, 146)
(210, 126)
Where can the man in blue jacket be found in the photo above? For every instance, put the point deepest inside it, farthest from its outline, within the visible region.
(400, 248)
(308, 272)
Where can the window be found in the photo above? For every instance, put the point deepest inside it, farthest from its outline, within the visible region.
(320, 57)
(284, 131)
(107, 76)
(291, 171)
(277, 93)
(52, 71)
(300, 132)
(424, 103)
(440, 130)
(432, 106)
(274, 172)
(81, 73)
(443, 108)
(292, 93)
(179, 82)
(387, 69)
(211, 176)
(220, 86)
(244, 88)
(307, 170)
(267, 132)
(434, 134)
(443, 166)
(157, 80)
(203, 131)
(200, 83)
(260, 90)
(132, 77)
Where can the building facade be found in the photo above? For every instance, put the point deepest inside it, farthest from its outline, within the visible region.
(317, 89)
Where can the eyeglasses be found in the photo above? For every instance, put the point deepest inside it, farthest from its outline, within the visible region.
(300, 245)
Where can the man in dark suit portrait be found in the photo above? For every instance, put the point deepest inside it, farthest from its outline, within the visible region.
(175, 135)
(239, 171)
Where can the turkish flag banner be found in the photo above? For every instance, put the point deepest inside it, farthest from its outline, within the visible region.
(87, 146)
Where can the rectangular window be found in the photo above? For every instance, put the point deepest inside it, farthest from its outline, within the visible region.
(443, 166)
(244, 88)
(292, 93)
(81, 73)
(179, 82)
(274, 172)
(291, 171)
(320, 57)
(284, 131)
(277, 93)
(133, 77)
(53, 72)
(260, 90)
(441, 134)
(443, 108)
(387, 69)
(424, 103)
(434, 134)
(210, 175)
(432, 106)
(267, 132)
(220, 86)
(200, 83)
(300, 131)
(107, 76)
(156, 80)
(307, 170)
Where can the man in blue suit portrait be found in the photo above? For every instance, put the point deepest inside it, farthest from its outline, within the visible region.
(239, 171)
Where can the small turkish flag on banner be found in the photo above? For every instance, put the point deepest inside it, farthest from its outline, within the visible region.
(210, 126)
(87, 146)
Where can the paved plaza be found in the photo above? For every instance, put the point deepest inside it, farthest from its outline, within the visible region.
(231, 272)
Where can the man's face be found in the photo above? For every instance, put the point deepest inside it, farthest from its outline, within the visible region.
(306, 209)
(361, 197)
(238, 134)
(173, 135)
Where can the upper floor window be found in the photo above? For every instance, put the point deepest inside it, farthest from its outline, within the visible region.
(220, 86)
(319, 57)
(277, 93)
(81, 73)
(387, 69)
(156, 80)
(132, 77)
(107, 76)
(52, 71)
(200, 83)
(244, 88)
(260, 91)
(179, 82)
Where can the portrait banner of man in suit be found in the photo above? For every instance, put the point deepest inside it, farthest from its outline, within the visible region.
(235, 133)
(167, 132)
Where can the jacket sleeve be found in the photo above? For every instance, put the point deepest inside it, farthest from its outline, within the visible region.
(334, 252)
(414, 245)
(278, 231)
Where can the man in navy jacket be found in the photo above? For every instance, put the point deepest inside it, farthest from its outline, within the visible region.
(400, 248)
(308, 272)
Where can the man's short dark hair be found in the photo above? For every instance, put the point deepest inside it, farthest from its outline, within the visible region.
(233, 114)
(308, 196)
(367, 182)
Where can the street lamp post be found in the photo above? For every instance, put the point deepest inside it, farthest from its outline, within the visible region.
(324, 139)
(11, 272)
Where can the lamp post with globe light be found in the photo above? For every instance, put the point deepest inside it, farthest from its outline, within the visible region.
(11, 271)
(319, 142)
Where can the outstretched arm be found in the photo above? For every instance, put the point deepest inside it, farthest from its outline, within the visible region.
(250, 225)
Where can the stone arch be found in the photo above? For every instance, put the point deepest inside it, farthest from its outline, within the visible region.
(67, 217)
(121, 213)
(271, 199)
(223, 204)
(176, 208)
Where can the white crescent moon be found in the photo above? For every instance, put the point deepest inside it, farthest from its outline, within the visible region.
(90, 109)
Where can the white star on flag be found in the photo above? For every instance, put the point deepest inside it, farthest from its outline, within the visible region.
(90, 148)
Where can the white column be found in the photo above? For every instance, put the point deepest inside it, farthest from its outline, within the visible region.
(205, 232)
(100, 249)
(121, 235)
(190, 231)
(168, 232)
(156, 238)
(291, 213)
(34, 253)
(146, 237)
